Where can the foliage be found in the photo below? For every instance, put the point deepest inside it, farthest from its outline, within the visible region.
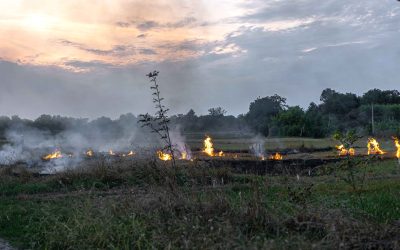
(263, 110)
(269, 116)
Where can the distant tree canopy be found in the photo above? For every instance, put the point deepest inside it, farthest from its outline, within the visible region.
(263, 110)
(269, 116)
(216, 111)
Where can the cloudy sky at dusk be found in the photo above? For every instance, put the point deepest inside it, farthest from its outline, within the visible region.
(89, 58)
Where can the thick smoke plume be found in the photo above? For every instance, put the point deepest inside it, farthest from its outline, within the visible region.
(27, 145)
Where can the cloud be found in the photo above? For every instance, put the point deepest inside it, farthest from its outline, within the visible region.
(116, 50)
(295, 49)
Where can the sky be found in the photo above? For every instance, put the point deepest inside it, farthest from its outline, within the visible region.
(90, 58)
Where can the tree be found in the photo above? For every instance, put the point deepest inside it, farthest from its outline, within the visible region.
(377, 96)
(216, 111)
(337, 103)
(291, 122)
(263, 110)
(191, 114)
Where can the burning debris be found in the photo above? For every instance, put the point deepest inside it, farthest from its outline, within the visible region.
(164, 156)
(131, 153)
(397, 144)
(209, 148)
(373, 147)
(184, 156)
(276, 157)
(89, 153)
(55, 155)
(345, 152)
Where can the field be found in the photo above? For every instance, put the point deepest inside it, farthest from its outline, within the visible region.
(145, 206)
(134, 204)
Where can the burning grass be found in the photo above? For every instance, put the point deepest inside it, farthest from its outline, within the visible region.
(143, 205)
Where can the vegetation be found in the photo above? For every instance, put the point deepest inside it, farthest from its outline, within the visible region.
(269, 116)
(127, 205)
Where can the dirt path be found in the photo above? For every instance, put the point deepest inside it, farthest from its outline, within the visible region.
(5, 246)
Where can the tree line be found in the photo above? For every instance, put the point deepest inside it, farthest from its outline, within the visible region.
(374, 112)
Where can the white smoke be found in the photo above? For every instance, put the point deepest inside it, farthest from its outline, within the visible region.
(178, 140)
(28, 145)
(258, 146)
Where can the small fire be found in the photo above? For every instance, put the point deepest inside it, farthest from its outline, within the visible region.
(131, 153)
(164, 156)
(397, 143)
(373, 147)
(110, 152)
(89, 153)
(209, 149)
(55, 155)
(184, 156)
(343, 151)
(276, 157)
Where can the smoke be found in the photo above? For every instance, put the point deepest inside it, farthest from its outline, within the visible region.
(178, 140)
(28, 145)
(258, 146)
(25, 144)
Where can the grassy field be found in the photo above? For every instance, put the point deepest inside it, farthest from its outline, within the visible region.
(143, 205)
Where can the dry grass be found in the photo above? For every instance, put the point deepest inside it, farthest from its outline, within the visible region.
(147, 205)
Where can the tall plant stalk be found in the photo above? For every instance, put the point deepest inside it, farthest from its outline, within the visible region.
(159, 123)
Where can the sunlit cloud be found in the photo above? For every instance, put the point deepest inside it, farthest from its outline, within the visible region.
(120, 32)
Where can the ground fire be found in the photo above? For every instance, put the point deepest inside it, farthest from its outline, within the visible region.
(397, 144)
(373, 147)
(183, 155)
(164, 156)
(344, 152)
(209, 149)
(276, 156)
(55, 155)
(89, 153)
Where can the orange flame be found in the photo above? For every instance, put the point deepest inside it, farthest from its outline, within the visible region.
(184, 155)
(343, 151)
(89, 153)
(131, 153)
(209, 148)
(373, 147)
(55, 155)
(276, 157)
(397, 144)
(110, 152)
(164, 156)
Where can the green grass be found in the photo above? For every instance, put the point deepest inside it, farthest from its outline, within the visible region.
(143, 206)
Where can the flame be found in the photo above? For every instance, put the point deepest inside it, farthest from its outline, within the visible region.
(263, 158)
(184, 155)
(373, 147)
(110, 152)
(131, 153)
(89, 153)
(209, 149)
(276, 157)
(343, 151)
(163, 156)
(397, 143)
(55, 155)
